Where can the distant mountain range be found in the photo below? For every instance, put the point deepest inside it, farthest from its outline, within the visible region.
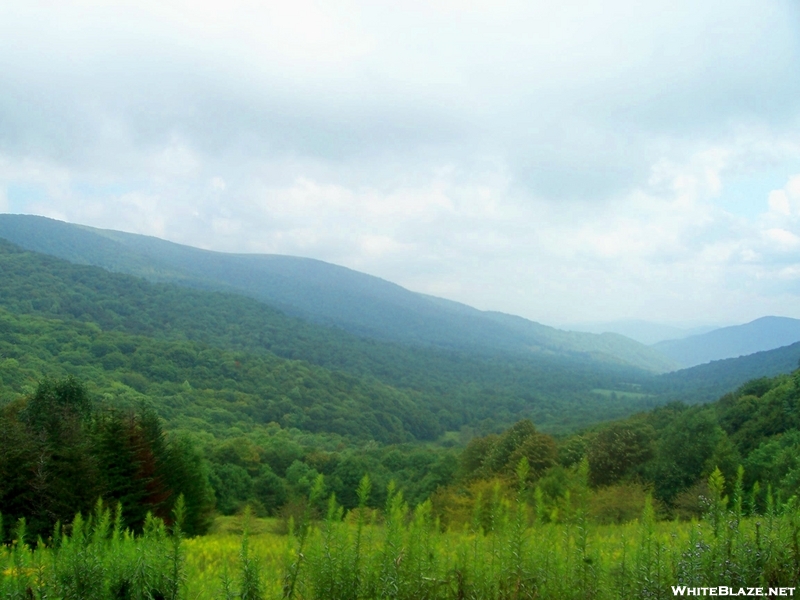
(361, 304)
(644, 332)
(766, 333)
(709, 381)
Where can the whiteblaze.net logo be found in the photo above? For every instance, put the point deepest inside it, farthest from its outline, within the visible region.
(724, 590)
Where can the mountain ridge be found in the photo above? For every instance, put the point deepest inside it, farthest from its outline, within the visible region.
(709, 381)
(759, 335)
(107, 321)
(645, 332)
(318, 291)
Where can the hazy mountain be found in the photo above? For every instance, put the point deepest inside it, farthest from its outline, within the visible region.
(762, 334)
(707, 382)
(361, 304)
(645, 332)
(162, 339)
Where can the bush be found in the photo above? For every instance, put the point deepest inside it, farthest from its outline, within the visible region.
(618, 503)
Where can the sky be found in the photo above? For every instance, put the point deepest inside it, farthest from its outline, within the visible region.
(564, 161)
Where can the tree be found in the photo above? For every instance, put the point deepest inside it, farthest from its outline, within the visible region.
(115, 441)
(233, 487)
(17, 463)
(187, 475)
(617, 450)
(64, 478)
(270, 490)
(498, 458)
(541, 452)
(57, 401)
(684, 451)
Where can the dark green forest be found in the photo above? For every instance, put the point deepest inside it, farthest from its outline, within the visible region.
(61, 451)
(59, 454)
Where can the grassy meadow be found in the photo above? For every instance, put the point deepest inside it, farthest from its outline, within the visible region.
(506, 552)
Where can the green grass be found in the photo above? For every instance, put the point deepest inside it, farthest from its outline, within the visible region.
(405, 554)
(414, 560)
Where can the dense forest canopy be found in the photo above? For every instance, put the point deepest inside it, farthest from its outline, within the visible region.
(142, 392)
(62, 451)
(452, 389)
(750, 438)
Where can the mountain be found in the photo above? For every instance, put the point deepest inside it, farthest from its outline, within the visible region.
(644, 332)
(233, 360)
(361, 304)
(707, 382)
(766, 333)
(560, 341)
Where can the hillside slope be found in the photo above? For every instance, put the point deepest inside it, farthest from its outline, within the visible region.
(328, 294)
(766, 333)
(707, 382)
(456, 388)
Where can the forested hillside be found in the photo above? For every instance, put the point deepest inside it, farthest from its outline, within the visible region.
(256, 405)
(750, 438)
(268, 400)
(455, 389)
(328, 294)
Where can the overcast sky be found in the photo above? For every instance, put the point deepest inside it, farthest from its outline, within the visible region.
(564, 161)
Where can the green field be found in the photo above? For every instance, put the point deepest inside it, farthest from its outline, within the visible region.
(505, 552)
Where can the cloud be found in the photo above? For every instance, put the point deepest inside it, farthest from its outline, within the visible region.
(564, 161)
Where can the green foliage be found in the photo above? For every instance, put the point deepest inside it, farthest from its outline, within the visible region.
(97, 560)
(618, 450)
(494, 455)
(325, 293)
(686, 451)
(619, 503)
(749, 438)
(410, 556)
(51, 469)
(256, 426)
(188, 346)
(55, 402)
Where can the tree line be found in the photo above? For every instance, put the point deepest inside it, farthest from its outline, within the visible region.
(59, 454)
(750, 437)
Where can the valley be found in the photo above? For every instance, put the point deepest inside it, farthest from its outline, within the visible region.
(184, 386)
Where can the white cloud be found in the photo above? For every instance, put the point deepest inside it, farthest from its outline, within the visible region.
(784, 239)
(779, 203)
(564, 161)
(793, 188)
